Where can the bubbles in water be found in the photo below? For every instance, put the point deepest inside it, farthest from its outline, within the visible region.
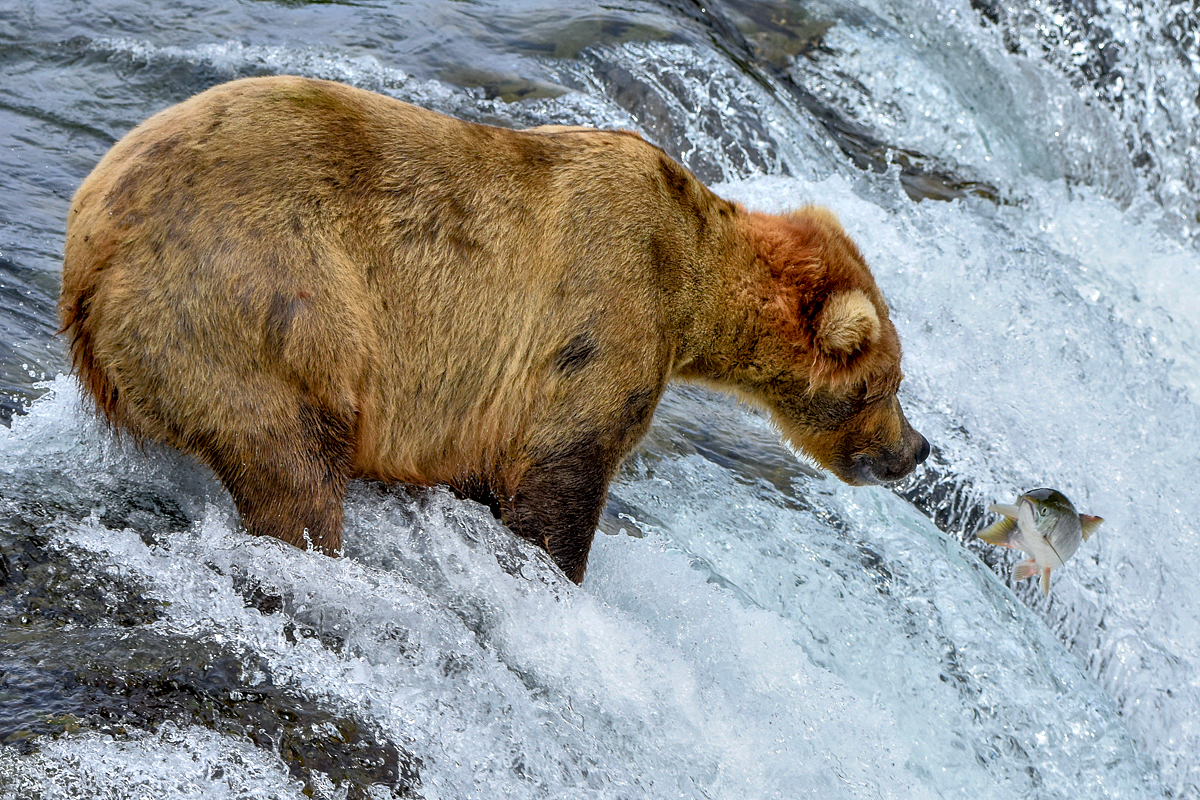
(172, 762)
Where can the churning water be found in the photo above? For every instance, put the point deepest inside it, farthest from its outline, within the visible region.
(1023, 176)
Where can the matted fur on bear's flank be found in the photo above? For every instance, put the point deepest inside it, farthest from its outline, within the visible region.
(301, 283)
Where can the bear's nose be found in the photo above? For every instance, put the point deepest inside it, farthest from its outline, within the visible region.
(922, 450)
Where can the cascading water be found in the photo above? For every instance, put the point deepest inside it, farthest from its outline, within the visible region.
(749, 627)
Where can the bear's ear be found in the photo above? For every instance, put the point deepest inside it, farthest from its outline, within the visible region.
(847, 324)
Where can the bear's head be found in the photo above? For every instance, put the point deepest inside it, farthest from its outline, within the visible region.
(820, 353)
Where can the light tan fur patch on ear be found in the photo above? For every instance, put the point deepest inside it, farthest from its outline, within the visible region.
(848, 323)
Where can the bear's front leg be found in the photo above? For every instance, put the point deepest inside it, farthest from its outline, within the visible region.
(288, 476)
(559, 499)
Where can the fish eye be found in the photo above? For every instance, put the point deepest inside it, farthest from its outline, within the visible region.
(1043, 512)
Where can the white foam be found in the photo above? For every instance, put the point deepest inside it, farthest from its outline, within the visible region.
(173, 762)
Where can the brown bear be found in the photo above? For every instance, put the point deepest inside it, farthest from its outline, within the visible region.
(300, 283)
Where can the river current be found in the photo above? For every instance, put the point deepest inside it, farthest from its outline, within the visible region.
(1023, 175)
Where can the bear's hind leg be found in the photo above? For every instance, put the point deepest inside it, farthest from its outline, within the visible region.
(289, 481)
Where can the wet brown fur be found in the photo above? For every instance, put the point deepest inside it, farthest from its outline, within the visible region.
(301, 283)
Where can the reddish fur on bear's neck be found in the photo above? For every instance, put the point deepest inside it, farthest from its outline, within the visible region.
(793, 264)
(790, 262)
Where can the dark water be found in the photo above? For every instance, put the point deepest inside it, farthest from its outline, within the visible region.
(1025, 172)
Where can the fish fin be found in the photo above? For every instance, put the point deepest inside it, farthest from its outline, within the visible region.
(998, 533)
(1004, 509)
(1089, 524)
(1026, 569)
(1046, 581)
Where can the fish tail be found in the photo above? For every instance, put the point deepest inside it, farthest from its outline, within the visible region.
(1089, 524)
(998, 533)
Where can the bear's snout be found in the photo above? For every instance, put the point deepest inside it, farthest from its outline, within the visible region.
(892, 465)
(922, 449)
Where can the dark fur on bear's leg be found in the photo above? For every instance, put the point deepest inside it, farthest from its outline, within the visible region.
(294, 485)
(559, 501)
